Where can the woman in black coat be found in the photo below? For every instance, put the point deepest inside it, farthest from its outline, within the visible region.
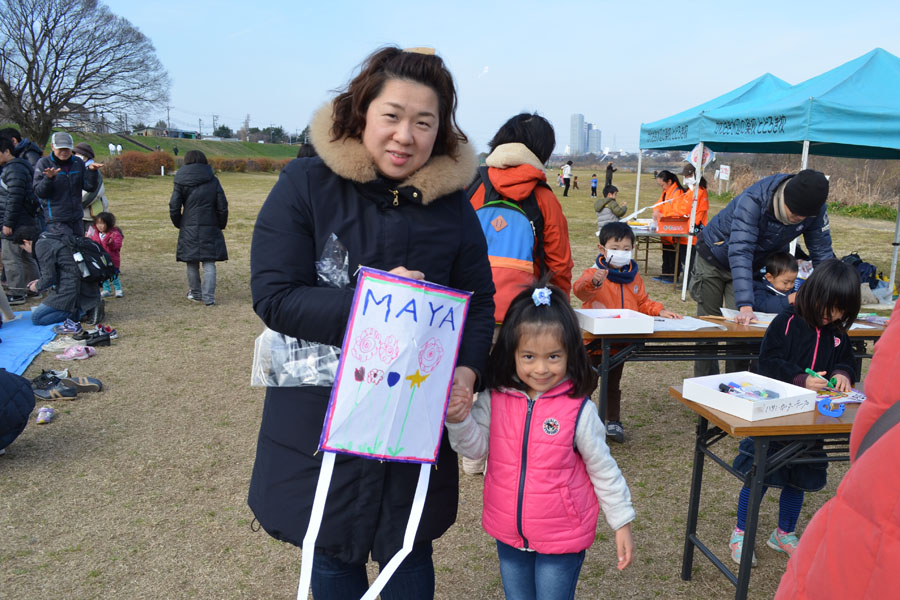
(199, 210)
(388, 182)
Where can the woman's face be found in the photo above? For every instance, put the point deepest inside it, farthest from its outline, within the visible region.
(401, 127)
(661, 182)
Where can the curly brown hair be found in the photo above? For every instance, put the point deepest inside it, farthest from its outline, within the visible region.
(351, 104)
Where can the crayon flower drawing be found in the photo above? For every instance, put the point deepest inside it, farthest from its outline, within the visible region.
(400, 332)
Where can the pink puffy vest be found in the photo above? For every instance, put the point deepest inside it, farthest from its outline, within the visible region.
(537, 493)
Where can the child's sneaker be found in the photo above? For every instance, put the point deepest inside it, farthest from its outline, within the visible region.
(737, 544)
(44, 415)
(105, 294)
(67, 327)
(119, 293)
(783, 542)
(615, 431)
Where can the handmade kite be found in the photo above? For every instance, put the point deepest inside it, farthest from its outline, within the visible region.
(391, 390)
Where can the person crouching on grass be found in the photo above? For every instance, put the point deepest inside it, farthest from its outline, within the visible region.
(615, 283)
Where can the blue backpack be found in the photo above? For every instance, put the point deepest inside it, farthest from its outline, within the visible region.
(515, 239)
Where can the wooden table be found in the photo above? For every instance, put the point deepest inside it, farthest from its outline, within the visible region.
(734, 342)
(801, 433)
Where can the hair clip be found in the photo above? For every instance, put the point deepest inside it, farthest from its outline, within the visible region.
(420, 50)
(541, 296)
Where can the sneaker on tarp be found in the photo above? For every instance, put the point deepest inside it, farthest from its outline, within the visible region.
(615, 431)
(737, 545)
(783, 542)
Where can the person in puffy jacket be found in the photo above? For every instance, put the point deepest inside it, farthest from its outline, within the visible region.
(761, 220)
(549, 469)
(199, 209)
(389, 181)
(59, 180)
(18, 208)
(16, 404)
(24, 147)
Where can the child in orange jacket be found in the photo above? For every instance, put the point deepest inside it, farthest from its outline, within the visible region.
(615, 283)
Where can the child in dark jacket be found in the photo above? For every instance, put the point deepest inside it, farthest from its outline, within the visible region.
(774, 291)
(810, 335)
(110, 237)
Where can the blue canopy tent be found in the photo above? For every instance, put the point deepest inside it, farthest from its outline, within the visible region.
(850, 111)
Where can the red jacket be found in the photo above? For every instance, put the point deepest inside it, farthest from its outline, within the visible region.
(111, 242)
(681, 207)
(851, 547)
(516, 182)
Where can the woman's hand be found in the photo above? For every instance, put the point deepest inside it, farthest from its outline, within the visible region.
(668, 314)
(404, 272)
(842, 383)
(462, 394)
(624, 546)
(816, 384)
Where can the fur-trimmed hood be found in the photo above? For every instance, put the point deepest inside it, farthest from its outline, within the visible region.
(349, 159)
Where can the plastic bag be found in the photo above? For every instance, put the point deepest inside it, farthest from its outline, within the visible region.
(283, 361)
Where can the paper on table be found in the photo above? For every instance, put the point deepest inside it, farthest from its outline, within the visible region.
(861, 326)
(853, 396)
(685, 324)
(763, 318)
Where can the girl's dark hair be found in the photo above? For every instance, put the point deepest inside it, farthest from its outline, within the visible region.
(533, 130)
(385, 64)
(669, 177)
(781, 262)
(690, 171)
(559, 315)
(195, 157)
(108, 218)
(833, 284)
(616, 230)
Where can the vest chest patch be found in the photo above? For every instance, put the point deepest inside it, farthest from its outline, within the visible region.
(837, 341)
(551, 426)
(635, 288)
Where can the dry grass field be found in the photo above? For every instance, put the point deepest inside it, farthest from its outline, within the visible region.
(140, 491)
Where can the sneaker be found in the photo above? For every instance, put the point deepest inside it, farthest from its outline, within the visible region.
(14, 300)
(112, 333)
(194, 298)
(61, 344)
(119, 293)
(210, 303)
(45, 380)
(98, 339)
(44, 415)
(67, 327)
(56, 392)
(82, 384)
(615, 431)
(783, 542)
(105, 294)
(77, 353)
(737, 544)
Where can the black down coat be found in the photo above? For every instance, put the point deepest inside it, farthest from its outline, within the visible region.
(199, 210)
(61, 195)
(424, 223)
(17, 200)
(16, 404)
(746, 231)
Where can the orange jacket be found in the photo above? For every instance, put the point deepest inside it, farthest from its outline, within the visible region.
(851, 546)
(681, 207)
(615, 295)
(670, 194)
(517, 183)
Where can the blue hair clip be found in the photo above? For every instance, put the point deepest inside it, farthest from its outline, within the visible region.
(541, 296)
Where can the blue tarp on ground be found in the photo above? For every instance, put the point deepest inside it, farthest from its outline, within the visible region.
(22, 341)
(852, 110)
(682, 131)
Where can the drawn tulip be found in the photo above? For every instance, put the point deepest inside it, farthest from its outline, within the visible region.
(392, 378)
(359, 373)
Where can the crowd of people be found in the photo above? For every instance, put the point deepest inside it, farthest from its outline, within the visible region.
(397, 173)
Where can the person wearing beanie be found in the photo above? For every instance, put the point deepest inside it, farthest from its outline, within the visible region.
(59, 180)
(761, 220)
(92, 203)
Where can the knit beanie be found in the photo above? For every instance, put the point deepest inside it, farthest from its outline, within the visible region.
(806, 192)
(85, 150)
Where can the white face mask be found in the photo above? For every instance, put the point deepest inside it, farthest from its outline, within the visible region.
(618, 258)
(689, 181)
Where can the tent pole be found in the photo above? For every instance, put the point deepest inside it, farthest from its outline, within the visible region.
(637, 186)
(687, 257)
(896, 245)
(804, 161)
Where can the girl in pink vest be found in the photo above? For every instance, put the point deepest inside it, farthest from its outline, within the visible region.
(549, 470)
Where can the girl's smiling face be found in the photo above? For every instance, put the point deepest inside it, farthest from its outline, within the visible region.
(100, 224)
(541, 360)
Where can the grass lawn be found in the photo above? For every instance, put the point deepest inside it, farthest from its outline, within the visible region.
(140, 491)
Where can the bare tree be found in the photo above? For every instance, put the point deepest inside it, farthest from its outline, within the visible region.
(62, 56)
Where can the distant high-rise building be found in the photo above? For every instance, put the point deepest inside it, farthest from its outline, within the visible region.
(593, 145)
(576, 135)
(586, 135)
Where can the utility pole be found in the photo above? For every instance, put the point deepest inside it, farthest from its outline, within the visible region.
(168, 120)
(200, 126)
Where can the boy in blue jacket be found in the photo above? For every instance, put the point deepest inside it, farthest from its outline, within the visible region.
(775, 290)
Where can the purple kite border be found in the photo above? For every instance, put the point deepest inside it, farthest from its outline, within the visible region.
(369, 272)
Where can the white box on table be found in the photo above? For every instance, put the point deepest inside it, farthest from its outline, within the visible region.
(602, 321)
(791, 398)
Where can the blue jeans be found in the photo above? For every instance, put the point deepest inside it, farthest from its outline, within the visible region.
(206, 290)
(532, 575)
(333, 579)
(46, 315)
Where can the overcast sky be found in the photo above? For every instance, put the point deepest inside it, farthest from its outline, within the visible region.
(620, 64)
